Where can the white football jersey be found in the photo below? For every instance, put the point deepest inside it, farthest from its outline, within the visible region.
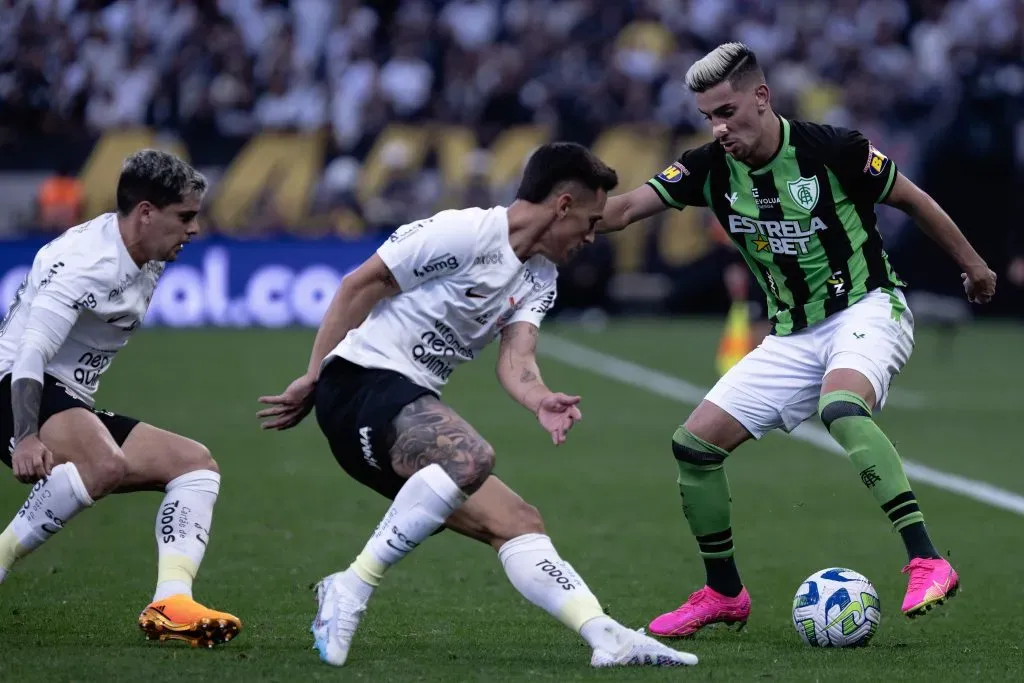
(461, 284)
(87, 277)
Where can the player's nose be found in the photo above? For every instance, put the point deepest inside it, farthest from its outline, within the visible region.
(719, 131)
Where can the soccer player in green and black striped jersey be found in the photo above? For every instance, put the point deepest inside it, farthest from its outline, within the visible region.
(798, 200)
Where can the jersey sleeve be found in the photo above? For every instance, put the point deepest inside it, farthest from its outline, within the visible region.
(537, 304)
(71, 285)
(866, 174)
(424, 250)
(681, 184)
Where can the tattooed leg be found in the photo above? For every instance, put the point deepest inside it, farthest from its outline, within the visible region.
(427, 431)
(444, 460)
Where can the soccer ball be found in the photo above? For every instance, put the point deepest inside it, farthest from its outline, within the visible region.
(836, 607)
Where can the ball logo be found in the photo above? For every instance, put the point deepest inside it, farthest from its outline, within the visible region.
(673, 173)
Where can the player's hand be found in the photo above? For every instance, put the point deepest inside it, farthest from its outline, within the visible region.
(31, 460)
(557, 414)
(289, 408)
(979, 284)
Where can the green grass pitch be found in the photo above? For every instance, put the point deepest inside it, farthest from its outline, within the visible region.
(288, 515)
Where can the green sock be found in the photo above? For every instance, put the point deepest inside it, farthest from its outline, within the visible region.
(704, 489)
(848, 418)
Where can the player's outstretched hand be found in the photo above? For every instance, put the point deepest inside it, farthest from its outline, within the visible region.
(980, 284)
(31, 460)
(289, 408)
(557, 414)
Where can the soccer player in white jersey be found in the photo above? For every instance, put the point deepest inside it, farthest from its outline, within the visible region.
(87, 291)
(432, 297)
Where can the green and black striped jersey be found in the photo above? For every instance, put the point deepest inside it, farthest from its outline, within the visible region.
(804, 222)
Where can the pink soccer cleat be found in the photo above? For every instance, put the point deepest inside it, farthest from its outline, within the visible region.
(931, 582)
(703, 608)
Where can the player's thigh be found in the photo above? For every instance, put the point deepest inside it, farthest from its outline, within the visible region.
(426, 431)
(77, 435)
(870, 344)
(156, 456)
(495, 514)
(775, 386)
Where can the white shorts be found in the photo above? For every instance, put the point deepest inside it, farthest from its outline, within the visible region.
(777, 385)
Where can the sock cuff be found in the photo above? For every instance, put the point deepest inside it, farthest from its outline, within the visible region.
(843, 395)
(525, 543)
(206, 481)
(437, 479)
(77, 485)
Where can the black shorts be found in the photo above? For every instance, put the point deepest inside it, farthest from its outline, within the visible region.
(355, 407)
(56, 399)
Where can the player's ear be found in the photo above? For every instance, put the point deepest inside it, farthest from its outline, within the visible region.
(762, 95)
(563, 205)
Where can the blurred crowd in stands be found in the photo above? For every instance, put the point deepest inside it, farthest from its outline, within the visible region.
(920, 77)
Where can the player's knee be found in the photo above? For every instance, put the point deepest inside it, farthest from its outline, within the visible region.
(104, 474)
(202, 459)
(471, 474)
(837, 405)
(689, 451)
(522, 519)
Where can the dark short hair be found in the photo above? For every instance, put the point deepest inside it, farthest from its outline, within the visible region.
(732, 62)
(560, 162)
(157, 177)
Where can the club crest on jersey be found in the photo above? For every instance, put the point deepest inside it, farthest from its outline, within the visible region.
(804, 192)
(673, 173)
(876, 161)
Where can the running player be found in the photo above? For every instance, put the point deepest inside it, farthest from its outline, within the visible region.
(798, 199)
(433, 296)
(87, 292)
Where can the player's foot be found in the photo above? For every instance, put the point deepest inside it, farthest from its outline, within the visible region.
(337, 617)
(179, 617)
(637, 649)
(703, 608)
(931, 582)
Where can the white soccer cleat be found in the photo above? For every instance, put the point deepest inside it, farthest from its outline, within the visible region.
(638, 649)
(337, 618)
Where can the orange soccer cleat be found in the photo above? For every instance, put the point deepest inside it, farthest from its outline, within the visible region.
(179, 617)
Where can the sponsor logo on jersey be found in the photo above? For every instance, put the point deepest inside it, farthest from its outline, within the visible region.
(764, 202)
(441, 264)
(876, 161)
(437, 344)
(545, 303)
(673, 173)
(781, 237)
(52, 273)
(474, 294)
(125, 328)
(408, 230)
(804, 192)
(364, 443)
(118, 291)
(87, 301)
(493, 258)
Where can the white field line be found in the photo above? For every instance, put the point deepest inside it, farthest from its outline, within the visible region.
(676, 389)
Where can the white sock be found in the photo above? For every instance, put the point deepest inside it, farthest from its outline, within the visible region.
(549, 582)
(51, 504)
(422, 505)
(183, 530)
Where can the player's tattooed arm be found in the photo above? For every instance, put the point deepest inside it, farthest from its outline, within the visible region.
(426, 432)
(517, 368)
(26, 397)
